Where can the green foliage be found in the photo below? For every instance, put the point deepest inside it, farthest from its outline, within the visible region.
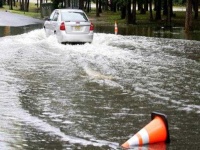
(56, 3)
(120, 2)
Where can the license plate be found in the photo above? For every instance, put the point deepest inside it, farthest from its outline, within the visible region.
(77, 28)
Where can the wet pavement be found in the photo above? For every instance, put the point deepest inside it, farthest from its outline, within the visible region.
(11, 19)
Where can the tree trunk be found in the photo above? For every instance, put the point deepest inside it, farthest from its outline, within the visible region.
(127, 13)
(21, 5)
(146, 5)
(69, 3)
(195, 4)
(188, 16)
(87, 5)
(165, 8)
(14, 3)
(97, 8)
(139, 5)
(106, 5)
(100, 6)
(81, 4)
(66, 4)
(134, 12)
(169, 13)
(129, 18)
(1, 3)
(11, 4)
(150, 10)
(26, 6)
(158, 10)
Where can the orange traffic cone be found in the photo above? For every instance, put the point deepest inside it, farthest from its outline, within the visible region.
(157, 146)
(155, 131)
(116, 28)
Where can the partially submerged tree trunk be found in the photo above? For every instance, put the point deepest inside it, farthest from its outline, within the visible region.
(169, 13)
(188, 16)
(128, 12)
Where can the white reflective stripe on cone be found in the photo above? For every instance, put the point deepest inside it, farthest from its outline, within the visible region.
(144, 135)
(133, 141)
(140, 138)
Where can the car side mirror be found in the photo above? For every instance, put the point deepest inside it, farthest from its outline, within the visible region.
(47, 19)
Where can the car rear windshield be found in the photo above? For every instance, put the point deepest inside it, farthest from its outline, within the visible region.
(73, 16)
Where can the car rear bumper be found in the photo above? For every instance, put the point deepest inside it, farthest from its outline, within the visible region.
(63, 37)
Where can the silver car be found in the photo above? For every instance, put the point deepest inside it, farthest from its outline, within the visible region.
(69, 26)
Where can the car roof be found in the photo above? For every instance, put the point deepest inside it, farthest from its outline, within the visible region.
(70, 10)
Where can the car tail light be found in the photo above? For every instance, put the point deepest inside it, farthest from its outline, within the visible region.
(62, 26)
(91, 27)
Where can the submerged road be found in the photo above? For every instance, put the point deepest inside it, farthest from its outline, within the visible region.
(11, 19)
(98, 95)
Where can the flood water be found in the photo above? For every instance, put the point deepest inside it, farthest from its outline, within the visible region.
(148, 31)
(96, 96)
